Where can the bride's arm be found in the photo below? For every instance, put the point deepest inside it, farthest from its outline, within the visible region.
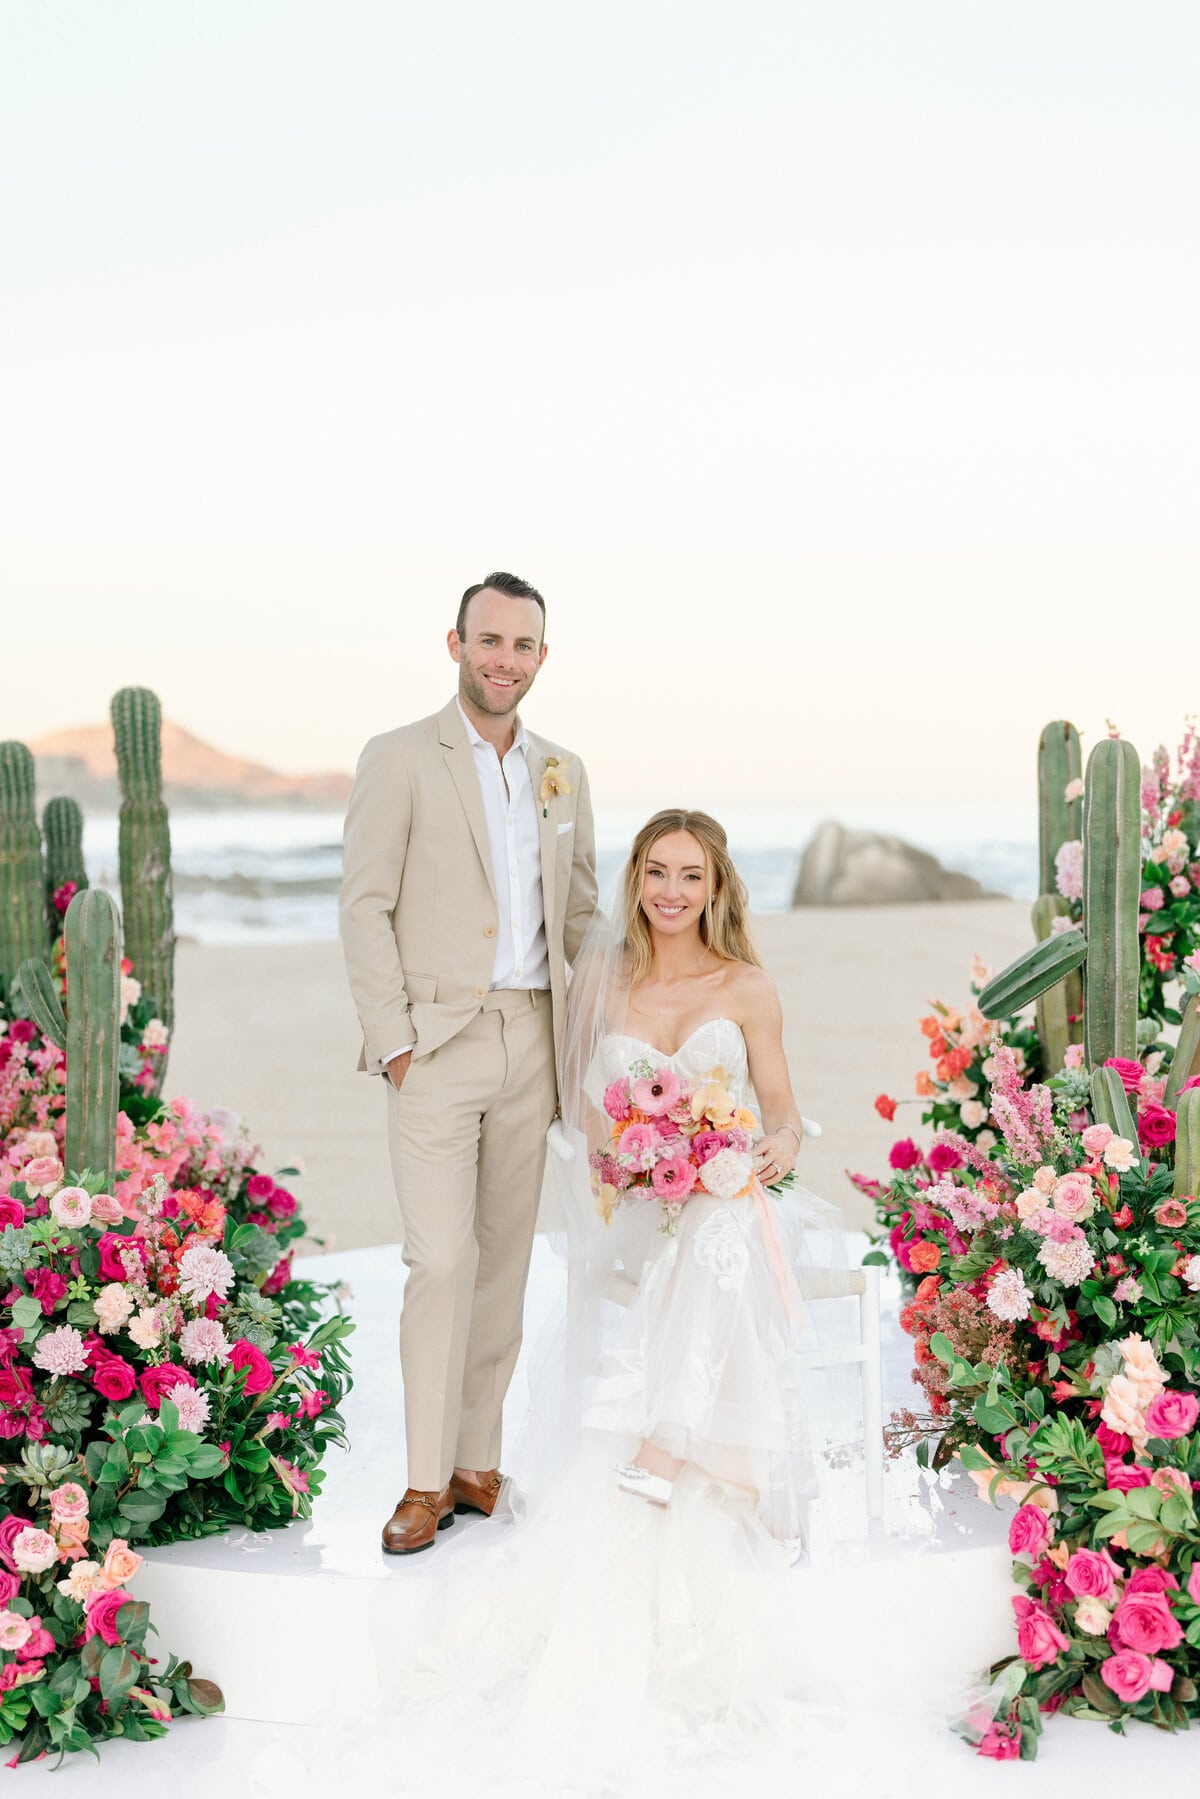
(762, 1027)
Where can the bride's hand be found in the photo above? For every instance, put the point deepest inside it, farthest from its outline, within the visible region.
(775, 1156)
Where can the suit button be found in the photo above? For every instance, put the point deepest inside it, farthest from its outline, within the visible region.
(479, 992)
(489, 930)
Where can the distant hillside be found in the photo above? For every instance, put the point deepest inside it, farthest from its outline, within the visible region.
(81, 763)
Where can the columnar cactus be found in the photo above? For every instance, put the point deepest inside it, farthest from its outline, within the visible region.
(1110, 1104)
(62, 825)
(22, 899)
(1112, 881)
(93, 945)
(1107, 946)
(1054, 1008)
(1059, 763)
(145, 849)
(1187, 1145)
(1185, 1063)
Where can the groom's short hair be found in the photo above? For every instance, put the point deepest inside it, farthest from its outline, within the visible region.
(499, 582)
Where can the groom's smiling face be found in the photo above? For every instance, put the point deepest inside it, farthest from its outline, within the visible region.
(499, 653)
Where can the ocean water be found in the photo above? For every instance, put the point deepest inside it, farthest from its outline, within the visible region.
(263, 875)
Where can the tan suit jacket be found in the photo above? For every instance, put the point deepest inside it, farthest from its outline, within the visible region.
(418, 905)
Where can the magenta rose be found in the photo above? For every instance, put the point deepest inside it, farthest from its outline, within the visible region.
(261, 1186)
(112, 1268)
(1172, 1414)
(1029, 1531)
(10, 1528)
(1127, 1674)
(10, 1586)
(281, 1203)
(1130, 1072)
(112, 1375)
(22, 1030)
(1039, 1640)
(1145, 1622)
(1112, 1442)
(706, 1144)
(1090, 1575)
(259, 1373)
(11, 1211)
(904, 1154)
(281, 1274)
(100, 1617)
(942, 1158)
(46, 1286)
(1155, 1126)
(157, 1381)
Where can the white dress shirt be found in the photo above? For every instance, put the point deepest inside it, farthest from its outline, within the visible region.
(510, 808)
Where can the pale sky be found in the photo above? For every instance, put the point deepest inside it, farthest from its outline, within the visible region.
(832, 369)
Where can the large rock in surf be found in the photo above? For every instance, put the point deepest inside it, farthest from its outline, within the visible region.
(841, 867)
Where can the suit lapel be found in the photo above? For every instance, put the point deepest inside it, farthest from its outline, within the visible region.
(460, 760)
(547, 829)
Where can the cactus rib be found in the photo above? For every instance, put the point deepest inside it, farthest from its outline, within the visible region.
(93, 947)
(1112, 878)
(41, 996)
(1186, 1061)
(1059, 764)
(1187, 1145)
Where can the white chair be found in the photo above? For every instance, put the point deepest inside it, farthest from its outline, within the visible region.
(863, 1283)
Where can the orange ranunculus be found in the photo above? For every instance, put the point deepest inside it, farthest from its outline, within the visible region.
(937, 1045)
(924, 1257)
(924, 1085)
(930, 1027)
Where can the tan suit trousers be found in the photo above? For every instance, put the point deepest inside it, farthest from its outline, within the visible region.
(467, 1134)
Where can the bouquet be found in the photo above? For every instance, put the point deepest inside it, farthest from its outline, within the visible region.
(668, 1140)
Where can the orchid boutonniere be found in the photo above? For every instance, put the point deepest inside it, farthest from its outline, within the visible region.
(554, 781)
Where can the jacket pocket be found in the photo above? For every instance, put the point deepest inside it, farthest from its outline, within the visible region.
(420, 987)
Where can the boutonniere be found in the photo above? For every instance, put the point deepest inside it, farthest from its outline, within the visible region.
(554, 782)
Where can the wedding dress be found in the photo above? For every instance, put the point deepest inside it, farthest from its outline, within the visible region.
(586, 1642)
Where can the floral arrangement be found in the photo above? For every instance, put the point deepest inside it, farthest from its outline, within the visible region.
(668, 1140)
(162, 1375)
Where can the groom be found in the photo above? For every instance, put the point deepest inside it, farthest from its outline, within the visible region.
(469, 882)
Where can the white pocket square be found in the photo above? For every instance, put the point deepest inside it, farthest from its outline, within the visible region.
(569, 826)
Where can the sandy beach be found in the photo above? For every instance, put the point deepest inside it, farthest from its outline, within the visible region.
(271, 1033)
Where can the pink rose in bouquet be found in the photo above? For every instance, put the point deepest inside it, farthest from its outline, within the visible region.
(156, 1381)
(1039, 1640)
(1090, 1574)
(112, 1375)
(1128, 1675)
(259, 1373)
(1029, 1531)
(11, 1211)
(100, 1615)
(1151, 1579)
(1155, 1126)
(904, 1155)
(1145, 1622)
(1172, 1414)
(1130, 1072)
(11, 1528)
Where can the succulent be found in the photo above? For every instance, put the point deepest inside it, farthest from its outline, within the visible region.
(1059, 763)
(93, 945)
(145, 851)
(22, 897)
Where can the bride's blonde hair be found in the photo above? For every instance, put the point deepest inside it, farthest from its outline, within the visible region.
(723, 923)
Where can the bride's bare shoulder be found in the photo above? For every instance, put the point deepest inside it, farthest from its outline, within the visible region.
(749, 989)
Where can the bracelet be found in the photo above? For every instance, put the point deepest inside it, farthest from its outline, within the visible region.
(795, 1134)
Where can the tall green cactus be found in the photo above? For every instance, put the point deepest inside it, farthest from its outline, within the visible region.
(1187, 1145)
(1112, 881)
(22, 898)
(62, 825)
(93, 945)
(1186, 1061)
(1110, 1104)
(1053, 1006)
(1059, 763)
(145, 850)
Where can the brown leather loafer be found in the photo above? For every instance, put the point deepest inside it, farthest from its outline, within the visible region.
(416, 1521)
(476, 1495)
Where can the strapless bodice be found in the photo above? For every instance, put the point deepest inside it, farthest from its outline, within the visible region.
(718, 1042)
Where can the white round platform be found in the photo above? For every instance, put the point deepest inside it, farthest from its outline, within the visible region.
(932, 1587)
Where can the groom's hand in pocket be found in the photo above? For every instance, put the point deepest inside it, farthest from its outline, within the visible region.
(397, 1068)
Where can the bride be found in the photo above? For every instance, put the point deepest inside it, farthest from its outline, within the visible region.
(630, 1614)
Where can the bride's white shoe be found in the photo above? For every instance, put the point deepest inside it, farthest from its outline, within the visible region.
(640, 1481)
